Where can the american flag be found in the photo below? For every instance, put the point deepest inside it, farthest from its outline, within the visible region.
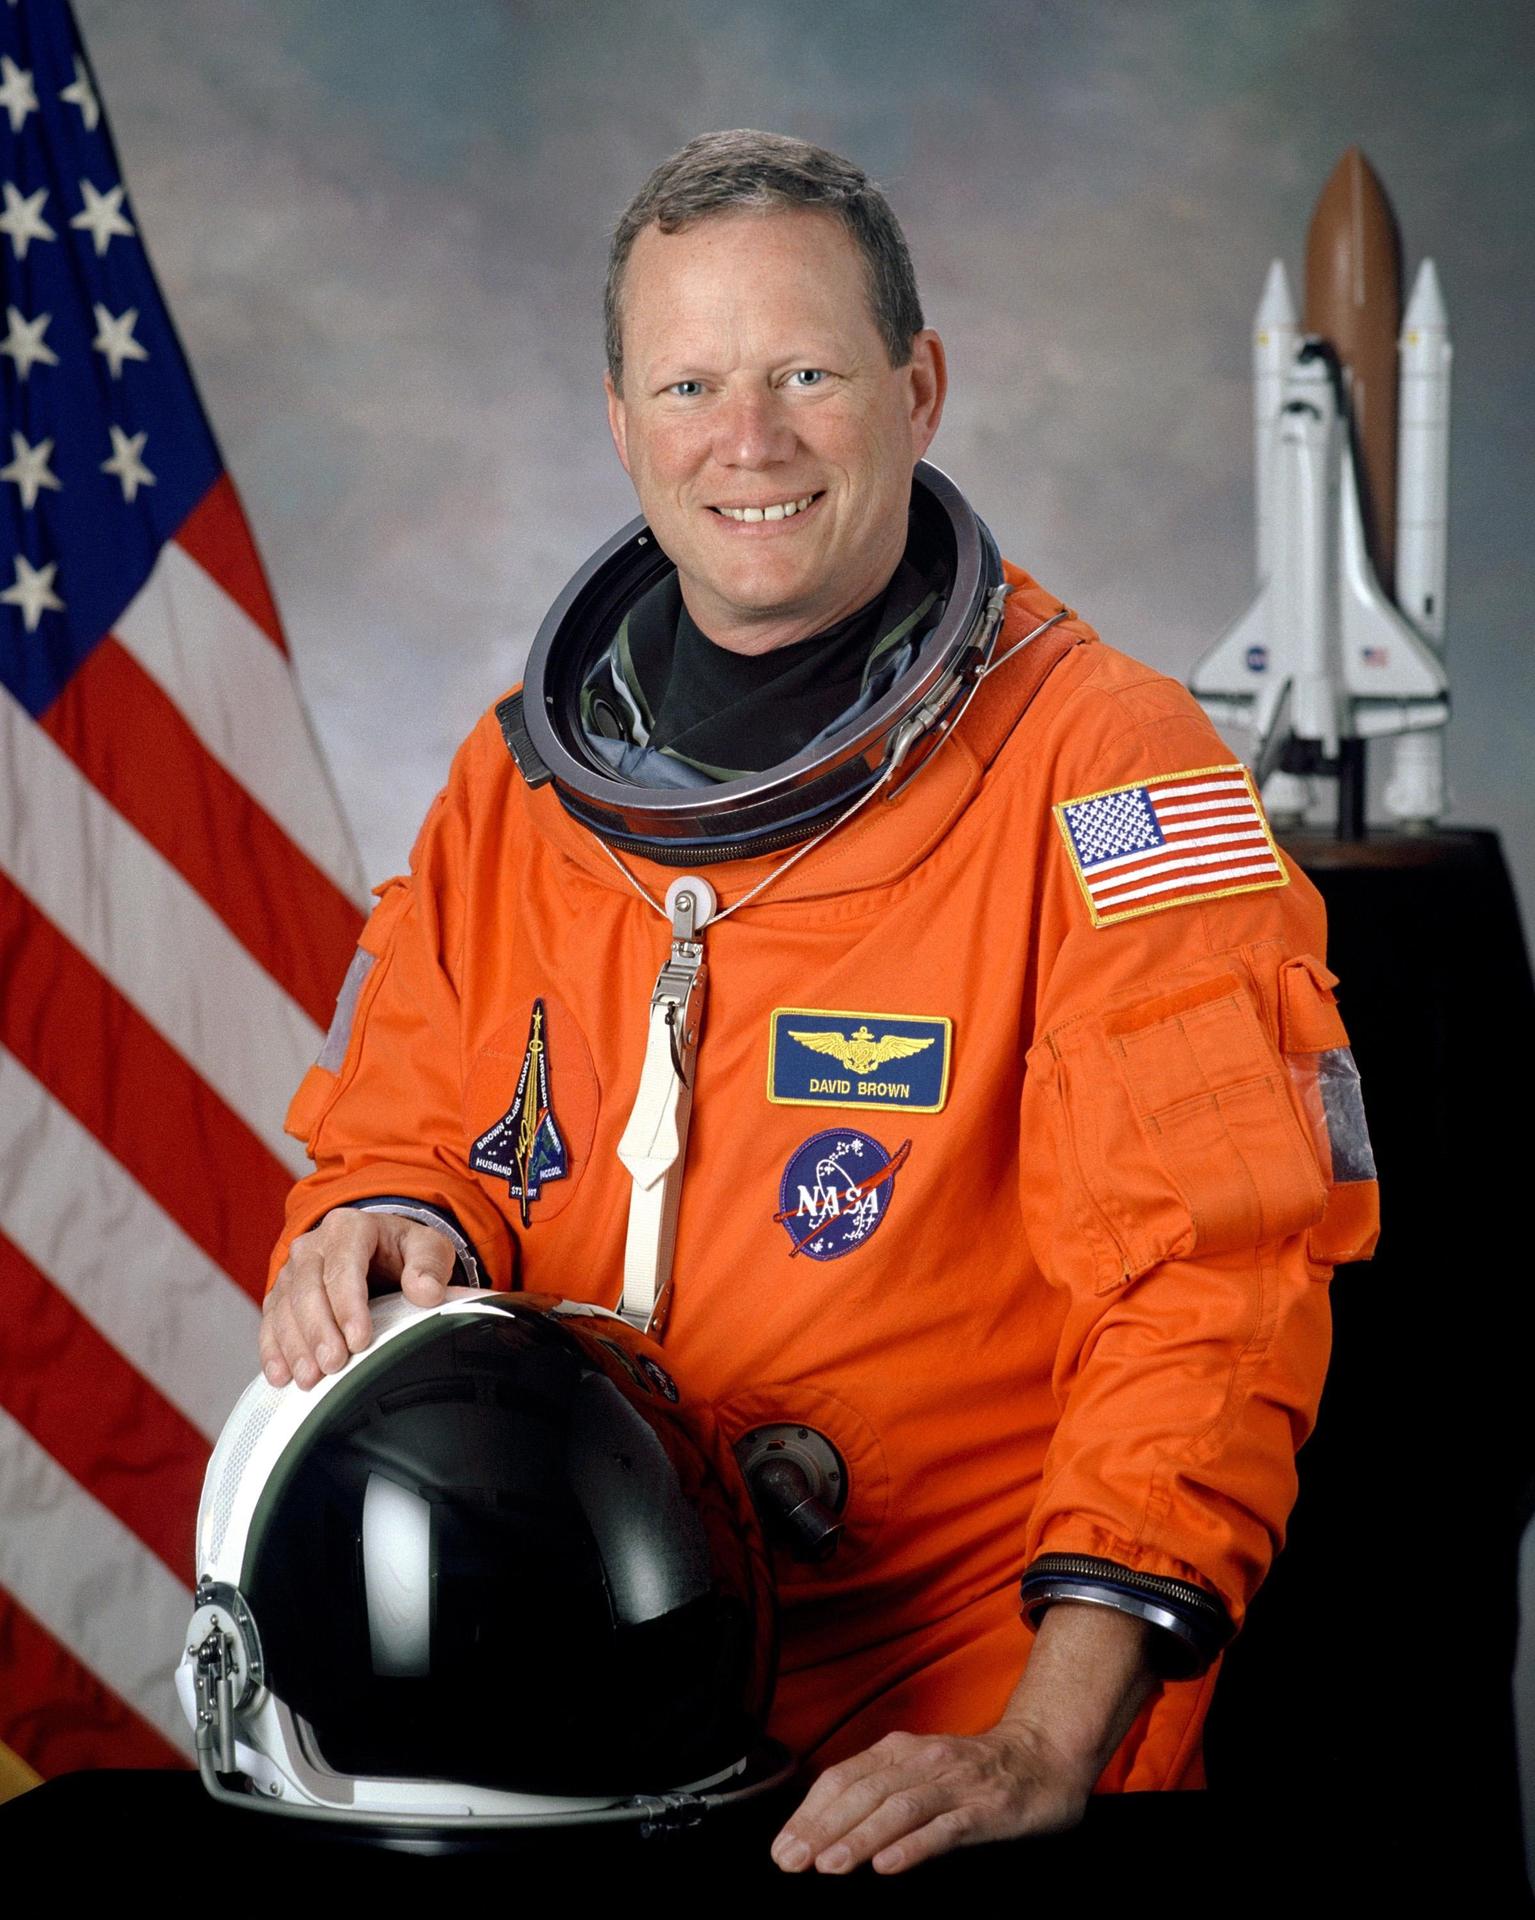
(1158, 843)
(177, 904)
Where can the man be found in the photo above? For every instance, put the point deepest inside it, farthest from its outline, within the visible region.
(1054, 1293)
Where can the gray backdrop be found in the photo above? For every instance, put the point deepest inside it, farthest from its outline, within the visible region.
(381, 225)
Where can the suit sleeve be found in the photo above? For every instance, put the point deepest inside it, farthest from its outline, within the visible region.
(1188, 1091)
(380, 1112)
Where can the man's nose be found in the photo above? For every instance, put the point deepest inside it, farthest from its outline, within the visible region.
(753, 429)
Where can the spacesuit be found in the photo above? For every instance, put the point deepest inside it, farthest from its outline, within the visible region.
(1026, 1204)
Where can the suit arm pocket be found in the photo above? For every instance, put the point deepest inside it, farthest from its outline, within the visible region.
(1180, 1130)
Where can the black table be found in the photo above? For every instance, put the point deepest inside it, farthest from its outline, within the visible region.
(98, 1833)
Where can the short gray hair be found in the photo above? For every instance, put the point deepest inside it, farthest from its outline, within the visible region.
(744, 171)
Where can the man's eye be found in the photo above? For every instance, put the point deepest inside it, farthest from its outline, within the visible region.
(807, 377)
(686, 389)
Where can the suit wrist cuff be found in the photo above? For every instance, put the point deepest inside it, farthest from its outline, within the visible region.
(1193, 1625)
(467, 1270)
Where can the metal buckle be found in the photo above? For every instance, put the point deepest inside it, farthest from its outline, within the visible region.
(226, 1667)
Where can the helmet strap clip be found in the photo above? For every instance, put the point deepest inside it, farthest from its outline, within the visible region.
(654, 1142)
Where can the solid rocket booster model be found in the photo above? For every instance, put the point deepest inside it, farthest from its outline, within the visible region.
(1351, 448)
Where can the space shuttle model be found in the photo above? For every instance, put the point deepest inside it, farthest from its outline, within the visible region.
(1351, 419)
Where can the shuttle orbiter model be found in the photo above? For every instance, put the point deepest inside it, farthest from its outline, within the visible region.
(1351, 452)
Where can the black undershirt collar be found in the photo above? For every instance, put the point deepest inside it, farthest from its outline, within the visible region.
(733, 712)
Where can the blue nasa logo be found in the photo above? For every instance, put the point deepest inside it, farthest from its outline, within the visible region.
(1257, 659)
(836, 1190)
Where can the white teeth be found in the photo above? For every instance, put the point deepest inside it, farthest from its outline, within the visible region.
(782, 510)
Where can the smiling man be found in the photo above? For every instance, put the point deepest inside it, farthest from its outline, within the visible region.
(1011, 1193)
(770, 440)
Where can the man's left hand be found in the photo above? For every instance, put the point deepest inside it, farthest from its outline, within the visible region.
(913, 1796)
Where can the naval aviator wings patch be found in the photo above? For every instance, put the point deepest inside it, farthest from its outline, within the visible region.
(823, 1057)
(1161, 843)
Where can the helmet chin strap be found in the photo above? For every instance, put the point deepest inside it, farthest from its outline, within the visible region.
(653, 1146)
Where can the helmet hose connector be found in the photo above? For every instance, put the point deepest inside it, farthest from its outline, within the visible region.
(799, 1483)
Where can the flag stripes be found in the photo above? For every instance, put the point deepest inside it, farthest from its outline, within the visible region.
(62, 1019)
(214, 533)
(1228, 871)
(139, 1198)
(99, 1418)
(56, 1715)
(152, 768)
(106, 1598)
(126, 1265)
(1184, 863)
(235, 691)
(127, 909)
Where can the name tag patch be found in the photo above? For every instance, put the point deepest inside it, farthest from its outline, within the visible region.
(826, 1057)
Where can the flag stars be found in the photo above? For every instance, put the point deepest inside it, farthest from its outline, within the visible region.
(24, 342)
(114, 338)
(103, 217)
(23, 218)
(83, 95)
(125, 463)
(17, 94)
(33, 592)
(29, 469)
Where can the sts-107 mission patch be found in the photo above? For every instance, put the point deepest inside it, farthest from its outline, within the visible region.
(1164, 842)
(822, 1057)
(525, 1147)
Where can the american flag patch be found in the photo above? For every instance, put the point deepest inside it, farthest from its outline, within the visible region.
(1163, 842)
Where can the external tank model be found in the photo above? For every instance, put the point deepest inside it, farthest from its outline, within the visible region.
(1343, 643)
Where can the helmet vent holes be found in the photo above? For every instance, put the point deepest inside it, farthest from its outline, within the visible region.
(263, 1401)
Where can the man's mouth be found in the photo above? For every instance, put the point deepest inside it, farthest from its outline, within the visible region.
(774, 510)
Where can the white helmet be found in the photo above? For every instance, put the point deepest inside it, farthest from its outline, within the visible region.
(499, 1570)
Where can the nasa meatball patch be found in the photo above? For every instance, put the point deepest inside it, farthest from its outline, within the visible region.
(835, 1192)
(1164, 842)
(824, 1057)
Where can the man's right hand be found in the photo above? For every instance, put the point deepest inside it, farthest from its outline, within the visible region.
(316, 1313)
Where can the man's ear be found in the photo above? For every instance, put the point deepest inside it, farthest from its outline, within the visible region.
(928, 374)
(618, 424)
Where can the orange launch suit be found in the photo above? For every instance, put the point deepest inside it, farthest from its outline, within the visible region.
(1093, 1318)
